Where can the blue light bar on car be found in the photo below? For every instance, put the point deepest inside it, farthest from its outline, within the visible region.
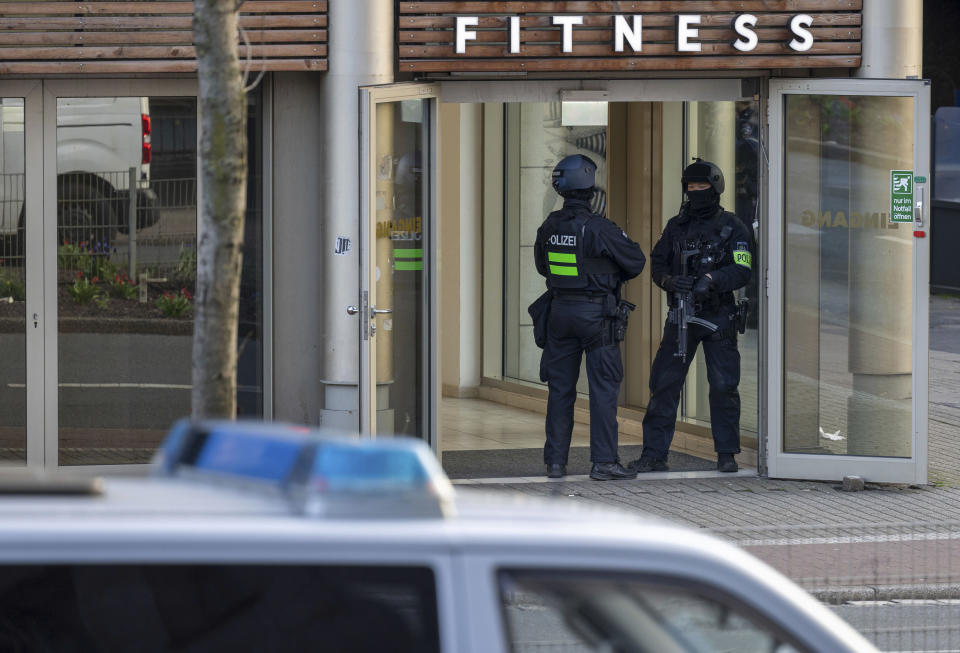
(321, 473)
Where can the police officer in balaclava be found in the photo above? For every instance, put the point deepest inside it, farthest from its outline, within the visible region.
(719, 253)
(585, 259)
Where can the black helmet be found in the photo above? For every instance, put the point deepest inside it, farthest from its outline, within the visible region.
(574, 172)
(701, 170)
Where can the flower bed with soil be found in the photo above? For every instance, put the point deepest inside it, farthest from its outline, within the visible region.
(117, 315)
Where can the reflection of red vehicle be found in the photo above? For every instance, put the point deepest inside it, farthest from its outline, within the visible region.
(99, 141)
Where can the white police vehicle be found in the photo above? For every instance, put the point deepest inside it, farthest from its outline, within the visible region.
(274, 538)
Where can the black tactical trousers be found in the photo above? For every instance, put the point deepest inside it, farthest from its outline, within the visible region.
(575, 327)
(666, 381)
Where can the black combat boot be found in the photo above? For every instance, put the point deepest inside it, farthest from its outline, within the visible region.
(726, 462)
(556, 470)
(611, 472)
(647, 464)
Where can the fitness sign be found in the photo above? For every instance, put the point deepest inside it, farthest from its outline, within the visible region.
(628, 31)
(535, 36)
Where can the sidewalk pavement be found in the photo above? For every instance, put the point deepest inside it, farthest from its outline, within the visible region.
(756, 502)
(944, 399)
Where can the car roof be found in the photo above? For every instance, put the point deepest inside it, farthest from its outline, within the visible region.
(187, 510)
(176, 520)
(169, 499)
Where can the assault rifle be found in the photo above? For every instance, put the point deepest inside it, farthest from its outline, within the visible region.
(684, 313)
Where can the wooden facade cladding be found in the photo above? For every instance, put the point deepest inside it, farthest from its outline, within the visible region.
(426, 36)
(41, 37)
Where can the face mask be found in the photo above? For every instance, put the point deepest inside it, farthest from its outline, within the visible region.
(701, 200)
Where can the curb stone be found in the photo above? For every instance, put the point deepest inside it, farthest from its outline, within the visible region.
(927, 591)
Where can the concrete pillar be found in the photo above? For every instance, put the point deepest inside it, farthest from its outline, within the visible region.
(448, 279)
(361, 45)
(717, 137)
(881, 284)
(461, 227)
(892, 39)
(881, 261)
(297, 232)
(471, 246)
(715, 127)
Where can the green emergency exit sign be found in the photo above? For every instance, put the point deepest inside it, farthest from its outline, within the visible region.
(901, 196)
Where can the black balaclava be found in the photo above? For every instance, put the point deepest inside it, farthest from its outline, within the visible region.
(585, 194)
(703, 203)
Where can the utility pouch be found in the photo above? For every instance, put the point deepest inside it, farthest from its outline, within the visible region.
(539, 312)
(621, 318)
(610, 308)
(743, 307)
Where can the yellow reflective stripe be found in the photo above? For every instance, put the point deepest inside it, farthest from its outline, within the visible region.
(408, 265)
(743, 258)
(564, 270)
(561, 257)
(408, 253)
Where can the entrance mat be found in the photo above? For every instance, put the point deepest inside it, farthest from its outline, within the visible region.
(502, 463)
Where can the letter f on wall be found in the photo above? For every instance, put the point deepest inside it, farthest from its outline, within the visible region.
(463, 34)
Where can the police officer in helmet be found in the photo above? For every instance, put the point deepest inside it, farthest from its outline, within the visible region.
(585, 259)
(719, 250)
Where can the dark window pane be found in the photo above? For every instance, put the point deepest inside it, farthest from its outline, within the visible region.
(217, 608)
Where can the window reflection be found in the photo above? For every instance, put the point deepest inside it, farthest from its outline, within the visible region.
(127, 264)
(569, 611)
(13, 285)
(849, 277)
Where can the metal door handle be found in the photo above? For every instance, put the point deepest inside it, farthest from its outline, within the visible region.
(379, 311)
(352, 310)
(918, 210)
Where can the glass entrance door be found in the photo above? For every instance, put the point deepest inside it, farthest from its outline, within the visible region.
(119, 263)
(21, 350)
(396, 321)
(848, 279)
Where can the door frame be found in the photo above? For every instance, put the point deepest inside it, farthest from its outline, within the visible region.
(47, 246)
(834, 467)
(32, 93)
(370, 97)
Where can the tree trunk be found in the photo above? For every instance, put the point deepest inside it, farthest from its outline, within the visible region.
(223, 154)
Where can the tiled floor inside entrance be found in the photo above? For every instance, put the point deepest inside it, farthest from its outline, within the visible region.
(477, 424)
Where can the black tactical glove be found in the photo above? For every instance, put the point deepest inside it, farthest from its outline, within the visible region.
(679, 283)
(702, 288)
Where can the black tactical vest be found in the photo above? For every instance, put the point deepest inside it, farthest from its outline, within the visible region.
(563, 244)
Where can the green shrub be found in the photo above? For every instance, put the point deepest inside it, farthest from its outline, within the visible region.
(13, 287)
(122, 287)
(84, 291)
(90, 261)
(186, 270)
(174, 304)
(68, 256)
